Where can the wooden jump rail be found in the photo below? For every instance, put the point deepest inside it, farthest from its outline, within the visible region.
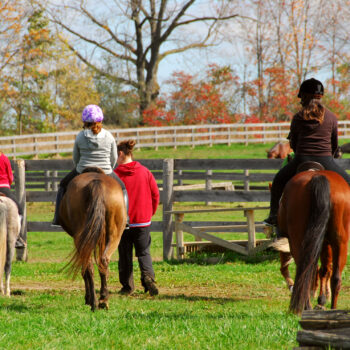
(324, 329)
(201, 232)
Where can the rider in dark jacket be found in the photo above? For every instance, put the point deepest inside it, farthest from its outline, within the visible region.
(313, 136)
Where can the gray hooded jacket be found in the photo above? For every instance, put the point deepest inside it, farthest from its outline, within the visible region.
(95, 150)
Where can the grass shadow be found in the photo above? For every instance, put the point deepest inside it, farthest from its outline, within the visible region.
(211, 258)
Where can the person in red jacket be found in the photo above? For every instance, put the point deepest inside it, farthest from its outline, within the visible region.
(6, 179)
(143, 202)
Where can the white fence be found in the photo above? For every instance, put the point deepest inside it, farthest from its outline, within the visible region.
(174, 136)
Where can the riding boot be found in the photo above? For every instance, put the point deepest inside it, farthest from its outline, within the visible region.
(60, 193)
(274, 204)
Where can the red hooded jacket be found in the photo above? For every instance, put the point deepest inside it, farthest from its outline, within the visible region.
(6, 175)
(142, 191)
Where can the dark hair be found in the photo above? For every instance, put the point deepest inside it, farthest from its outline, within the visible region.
(314, 111)
(126, 147)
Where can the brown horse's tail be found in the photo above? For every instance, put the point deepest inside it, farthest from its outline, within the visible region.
(93, 236)
(3, 238)
(320, 205)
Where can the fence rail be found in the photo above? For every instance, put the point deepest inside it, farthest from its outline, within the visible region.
(174, 136)
(37, 181)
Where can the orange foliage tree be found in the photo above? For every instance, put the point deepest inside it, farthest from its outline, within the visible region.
(196, 101)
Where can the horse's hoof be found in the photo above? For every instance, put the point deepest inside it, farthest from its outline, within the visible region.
(322, 300)
(319, 307)
(103, 305)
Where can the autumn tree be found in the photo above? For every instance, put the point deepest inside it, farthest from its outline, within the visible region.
(119, 105)
(72, 87)
(140, 33)
(24, 88)
(12, 15)
(210, 99)
(284, 42)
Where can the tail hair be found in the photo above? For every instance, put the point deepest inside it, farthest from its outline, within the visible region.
(93, 237)
(320, 207)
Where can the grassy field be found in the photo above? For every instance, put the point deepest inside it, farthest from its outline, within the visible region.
(234, 303)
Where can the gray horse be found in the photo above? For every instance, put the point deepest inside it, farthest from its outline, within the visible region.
(10, 226)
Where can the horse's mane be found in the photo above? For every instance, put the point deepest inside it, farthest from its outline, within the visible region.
(93, 169)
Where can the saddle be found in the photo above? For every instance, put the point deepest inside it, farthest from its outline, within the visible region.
(310, 166)
(93, 169)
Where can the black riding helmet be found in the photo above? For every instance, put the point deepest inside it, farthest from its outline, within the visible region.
(311, 86)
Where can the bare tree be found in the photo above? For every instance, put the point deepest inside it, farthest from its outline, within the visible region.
(335, 37)
(141, 33)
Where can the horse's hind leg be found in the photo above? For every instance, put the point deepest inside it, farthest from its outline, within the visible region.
(325, 274)
(339, 261)
(286, 259)
(90, 295)
(114, 234)
(8, 266)
(103, 270)
(104, 294)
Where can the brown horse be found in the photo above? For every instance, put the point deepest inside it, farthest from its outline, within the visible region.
(279, 150)
(314, 215)
(93, 212)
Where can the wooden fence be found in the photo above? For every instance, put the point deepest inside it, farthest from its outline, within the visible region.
(37, 181)
(174, 136)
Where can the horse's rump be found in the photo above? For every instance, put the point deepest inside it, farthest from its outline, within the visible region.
(314, 207)
(93, 212)
(92, 200)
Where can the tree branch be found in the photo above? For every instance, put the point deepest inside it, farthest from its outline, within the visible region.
(96, 69)
(94, 42)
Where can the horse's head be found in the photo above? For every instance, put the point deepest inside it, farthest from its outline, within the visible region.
(272, 153)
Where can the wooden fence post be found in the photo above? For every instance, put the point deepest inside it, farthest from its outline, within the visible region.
(246, 180)
(168, 182)
(180, 248)
(47, 182)
(54, 185)
(251, 230)
(208, 182)
(20, 188)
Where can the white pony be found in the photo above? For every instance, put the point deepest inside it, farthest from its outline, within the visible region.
(10, 226)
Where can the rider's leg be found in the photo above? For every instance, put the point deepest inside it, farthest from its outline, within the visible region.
(279, 181)
(330, 164)
(125, 194)
(60, 193)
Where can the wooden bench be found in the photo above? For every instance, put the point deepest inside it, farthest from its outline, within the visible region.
(249, 247)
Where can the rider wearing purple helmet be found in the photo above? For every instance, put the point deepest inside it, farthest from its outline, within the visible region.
(94, 147)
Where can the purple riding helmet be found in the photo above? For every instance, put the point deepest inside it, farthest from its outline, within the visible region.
(92, 114)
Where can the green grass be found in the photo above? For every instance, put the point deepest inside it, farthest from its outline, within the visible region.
(238, 303)
(235, 303)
